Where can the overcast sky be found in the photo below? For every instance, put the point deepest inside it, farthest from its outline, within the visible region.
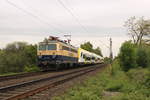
(85, 20)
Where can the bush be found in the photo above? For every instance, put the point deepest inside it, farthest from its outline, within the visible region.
(127, 56)
(143, 56)
(140, 75)
(133, 56)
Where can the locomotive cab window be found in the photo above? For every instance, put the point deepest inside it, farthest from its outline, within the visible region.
(52, 47)
(65, 48)
(42, 47)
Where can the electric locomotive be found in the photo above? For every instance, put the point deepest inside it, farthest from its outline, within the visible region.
(54, 53)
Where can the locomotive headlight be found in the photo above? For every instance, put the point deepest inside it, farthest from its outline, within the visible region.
(39, 56)
(53, 56)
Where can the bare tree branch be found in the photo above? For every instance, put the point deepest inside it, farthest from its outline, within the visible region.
(138, 28)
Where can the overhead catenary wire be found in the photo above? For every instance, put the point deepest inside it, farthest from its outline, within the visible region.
(46, 23)
(37, 11)
(73, 15)
(104, 44)
(32, 15)
(77, 20)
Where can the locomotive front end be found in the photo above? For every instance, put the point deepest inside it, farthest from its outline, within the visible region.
(56, 54)
(47, 55)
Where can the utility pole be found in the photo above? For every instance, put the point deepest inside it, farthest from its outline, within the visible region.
(111, 53)
(111, 58)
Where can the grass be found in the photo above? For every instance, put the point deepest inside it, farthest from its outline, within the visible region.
(32, 68)
(118, 85)
(10, 73)
(26, 70)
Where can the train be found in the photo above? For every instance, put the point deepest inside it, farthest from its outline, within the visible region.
(54, 54)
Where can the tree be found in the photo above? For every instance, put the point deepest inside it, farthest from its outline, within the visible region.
(30, 52)
(15, 46)
(98, 51)
(89, 47)
(17, 56)
(138, 29)
(107, 60)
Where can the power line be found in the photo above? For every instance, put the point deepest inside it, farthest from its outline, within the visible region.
(36, 11)
(34, 16)
(73, 15)
(39, 19)
(77, 20)
(104, 44)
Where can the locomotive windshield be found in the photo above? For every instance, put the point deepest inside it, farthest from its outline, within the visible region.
(47, 47)
(42, 47)
(51, 46)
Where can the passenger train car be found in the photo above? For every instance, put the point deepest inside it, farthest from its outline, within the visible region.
(54, 54)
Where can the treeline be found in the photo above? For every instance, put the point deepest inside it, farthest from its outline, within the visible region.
(133, 56)
(18, 57)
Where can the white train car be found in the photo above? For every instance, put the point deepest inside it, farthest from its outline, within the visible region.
(86, 57)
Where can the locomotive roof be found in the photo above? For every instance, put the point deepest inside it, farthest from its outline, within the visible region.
(57, 41)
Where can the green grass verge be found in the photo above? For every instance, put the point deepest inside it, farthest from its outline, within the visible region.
(116, 85)
(26, 70)
(11, 73)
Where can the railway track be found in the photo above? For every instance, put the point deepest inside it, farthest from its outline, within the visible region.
(9, 77)
(20, 78)
(25, 89)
